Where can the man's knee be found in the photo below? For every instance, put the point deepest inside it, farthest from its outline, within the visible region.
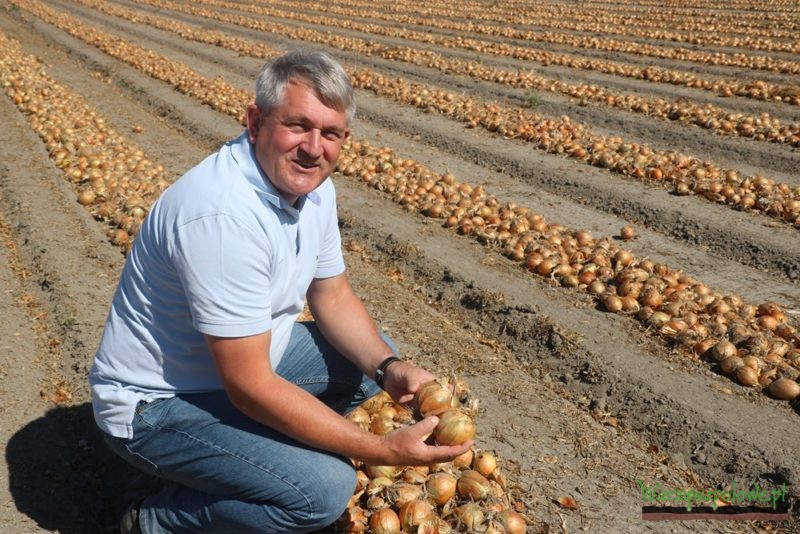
(330, 484)
(335, 485)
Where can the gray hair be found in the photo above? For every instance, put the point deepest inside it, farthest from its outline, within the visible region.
(323, 73)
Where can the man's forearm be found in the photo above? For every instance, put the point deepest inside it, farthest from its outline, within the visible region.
(344, 321)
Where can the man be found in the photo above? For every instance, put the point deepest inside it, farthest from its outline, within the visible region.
(204, 378)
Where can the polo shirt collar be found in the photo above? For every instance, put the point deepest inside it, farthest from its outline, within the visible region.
(243, 153)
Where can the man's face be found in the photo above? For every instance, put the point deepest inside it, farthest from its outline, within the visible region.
(298, 143)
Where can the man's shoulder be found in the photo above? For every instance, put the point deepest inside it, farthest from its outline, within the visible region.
(215, 181)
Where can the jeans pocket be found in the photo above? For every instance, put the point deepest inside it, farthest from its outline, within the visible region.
(151, 413)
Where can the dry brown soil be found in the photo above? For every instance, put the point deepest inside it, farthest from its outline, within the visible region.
(574, 401)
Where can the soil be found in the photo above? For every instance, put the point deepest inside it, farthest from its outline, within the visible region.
(574, 401)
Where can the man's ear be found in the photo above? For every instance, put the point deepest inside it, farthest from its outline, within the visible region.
(346, 135)
(253, 122)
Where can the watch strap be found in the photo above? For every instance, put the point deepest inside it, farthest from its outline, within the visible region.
(380, 372)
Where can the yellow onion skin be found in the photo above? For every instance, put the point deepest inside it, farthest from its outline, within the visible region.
(434, 525)
(473, 485)
(484, 463)
(469, 515)
(513, 522)
(432, 399)
(464, 460)
(413, 513)
(440, 488)
(378, 471)
(454, 428)
(785, 389)
(359, 416)
(384, 521)
(401, 493)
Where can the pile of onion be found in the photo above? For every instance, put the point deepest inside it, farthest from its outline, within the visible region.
(467, 494)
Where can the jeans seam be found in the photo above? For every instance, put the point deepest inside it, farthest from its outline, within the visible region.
(232, 454)
(140, 456)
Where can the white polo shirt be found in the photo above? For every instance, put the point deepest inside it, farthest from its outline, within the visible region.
(220, 253)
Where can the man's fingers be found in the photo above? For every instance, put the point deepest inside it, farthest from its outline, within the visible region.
(426, 426)
(449, 452)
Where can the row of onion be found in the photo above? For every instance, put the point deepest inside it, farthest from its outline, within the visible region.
(775, 92)
(733, 32)
(757, 89)
(687, 313)
(686, 175)
(662, 23)
(114, 177)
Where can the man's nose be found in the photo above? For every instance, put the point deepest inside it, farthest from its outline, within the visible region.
(312, 143)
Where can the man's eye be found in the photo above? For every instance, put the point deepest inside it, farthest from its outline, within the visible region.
(332, 136)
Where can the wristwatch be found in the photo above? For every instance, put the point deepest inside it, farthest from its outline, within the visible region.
(380, 372)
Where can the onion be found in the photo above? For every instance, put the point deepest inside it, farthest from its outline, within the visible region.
(378, 484)
(362, 480)
(596, 287)
(473, 485)
(784, 389)
(747, 376)
(432, 398)
(469, 515)
(359, 416)
(384, 521)
(355, 519)
(381, 471)
(723, 349)
(701, 347)
(86, 197)
(376, 502)
(373, 404)
(730, 365)
(401, 493)
(381, 425)
(485, 463)
(433, 525)
(627, 232)
(414, 476)
(454, 428)
(612, 303)
(464, 460)
(388, 411)
(513, 522)
(413, 513)
(441, 487)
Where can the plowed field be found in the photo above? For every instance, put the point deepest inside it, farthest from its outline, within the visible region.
(575, 400)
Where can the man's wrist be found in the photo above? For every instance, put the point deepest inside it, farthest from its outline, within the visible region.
(383, 367)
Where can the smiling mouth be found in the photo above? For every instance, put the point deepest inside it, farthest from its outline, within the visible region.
(307, 166)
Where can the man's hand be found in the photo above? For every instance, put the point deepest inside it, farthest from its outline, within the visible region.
(403, 379)
(406, 446)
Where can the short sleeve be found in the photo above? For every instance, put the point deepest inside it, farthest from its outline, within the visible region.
(224, 266)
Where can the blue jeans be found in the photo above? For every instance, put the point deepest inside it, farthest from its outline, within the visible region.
(226, 473)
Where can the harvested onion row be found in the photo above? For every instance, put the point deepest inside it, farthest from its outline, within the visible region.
(686, 175)
(112, 177)
(621, 19)
(671, 304)
(672, 28)
(762, 127)
(531, 53)
(574, 258)
(467, 494)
